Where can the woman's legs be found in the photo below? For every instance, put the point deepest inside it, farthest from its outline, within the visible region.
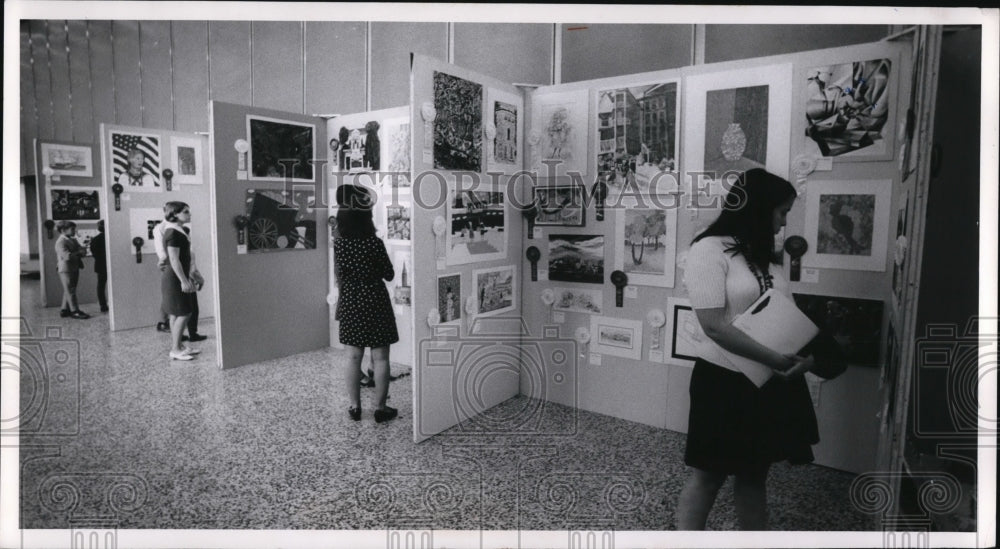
(177, 324)
(697, 499)
(380, 356)
(69, 281)
(750, 499)
(354, 356)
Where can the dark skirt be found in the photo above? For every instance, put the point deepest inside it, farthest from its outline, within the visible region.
(175, 301)
(735, 427)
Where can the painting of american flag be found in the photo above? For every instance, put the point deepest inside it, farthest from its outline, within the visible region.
(121, 144)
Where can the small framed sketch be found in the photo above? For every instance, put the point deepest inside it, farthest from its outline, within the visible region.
(68, 160)
(449, 298)
(576, 258)
(684, 333)
(495, 290)
(561, 206)
(401, 289)
(578, 300)
(185, 153)
(646, 245)
(560, 121)
(477, 224)
(397, 216)
(847, 224)
(75, 203)
(136, 162)
(616, 336)
(396, 150)
(505, 120)
(281, 150)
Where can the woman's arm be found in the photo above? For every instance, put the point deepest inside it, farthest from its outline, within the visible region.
(730, 338)
(174, 255)
(388, 273)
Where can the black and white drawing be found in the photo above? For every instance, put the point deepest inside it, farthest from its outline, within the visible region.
(458, 125)
(281, 220)
(576, 258)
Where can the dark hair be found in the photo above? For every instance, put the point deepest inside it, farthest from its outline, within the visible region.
(747, 215)
(354, 216)
(171, 209)
(63, 225)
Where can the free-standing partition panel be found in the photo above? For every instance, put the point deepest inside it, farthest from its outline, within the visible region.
(133, 274)
(272, 275)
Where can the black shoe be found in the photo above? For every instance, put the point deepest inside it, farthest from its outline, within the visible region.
(64, 313)
(385, 414)
(355, 413)
(104, 309)
(195, 337)
(162, 327)
(78, 314)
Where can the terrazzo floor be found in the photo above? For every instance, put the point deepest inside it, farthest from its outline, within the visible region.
(152, 443)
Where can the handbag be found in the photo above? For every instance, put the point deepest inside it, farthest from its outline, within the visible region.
(830, 359)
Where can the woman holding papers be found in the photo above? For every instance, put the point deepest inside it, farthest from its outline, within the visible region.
(735, 426)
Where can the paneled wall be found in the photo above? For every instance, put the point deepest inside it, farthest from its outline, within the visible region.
(161, 74)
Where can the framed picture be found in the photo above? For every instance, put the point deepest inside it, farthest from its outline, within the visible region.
(280, 149)
(401, 290)
(360, 148)
(84, 235)
(281, 220)
(75, 203)
(637, 134)
(141, 223)
(396, 149)
(560, 123)
(684, 333)
(136, 163)
(505, 115)
(855, 323)
(458, 125)
(849, 110)
(68, 160)
(847, 224)
(397, 218)
(578, 300)
(616, 336)
(495, 290)
(185, 153)
(646, 245)
(561, 206)
(576, 258)
(738, 120)
(478, 227)
(449, 298)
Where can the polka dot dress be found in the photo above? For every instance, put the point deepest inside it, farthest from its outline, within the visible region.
(364, 309)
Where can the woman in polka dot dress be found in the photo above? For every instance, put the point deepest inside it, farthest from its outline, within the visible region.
(364, 310)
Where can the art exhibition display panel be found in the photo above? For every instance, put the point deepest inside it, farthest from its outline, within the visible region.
(144, 169)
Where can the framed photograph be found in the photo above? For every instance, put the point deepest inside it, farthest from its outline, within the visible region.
(646, 246)
(847, 224)
(855, 323)
(848, 107)
(684, 333)
(505, 112)
(495, 290)
(738, 120)
(576, 258)
(616, 336)
(478, 230)
(396, 149)
(281, 220)
(401, 289)
(458, 125)
(185, 153)
(136, 163)
(397, 224)
(561, 206)
(68, 160)
(280, 149)
(578, 300)
(75, 203)
(141, 223)
(560, 122)
(449, 298)
(637, 134)
(360, 148)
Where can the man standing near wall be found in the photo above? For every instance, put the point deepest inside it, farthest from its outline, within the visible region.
(98, 250)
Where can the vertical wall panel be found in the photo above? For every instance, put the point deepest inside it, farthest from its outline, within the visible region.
(390, 57)
(128, 84)
(79, 74)
(229, 58)
(599, 51)
(190, 82)
(729, 42)
(277, 65)
(102, 74)
(335, 67)
(157, 106)
(43, 84)
(62, 88)
(512, 52)
(29, 116)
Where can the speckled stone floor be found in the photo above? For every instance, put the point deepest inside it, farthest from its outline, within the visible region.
(114, 430)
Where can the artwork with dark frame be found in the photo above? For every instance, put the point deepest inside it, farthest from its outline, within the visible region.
(75, 203)
(279, 145)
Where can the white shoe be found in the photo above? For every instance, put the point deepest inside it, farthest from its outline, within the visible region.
(190, 350)
(180, 356)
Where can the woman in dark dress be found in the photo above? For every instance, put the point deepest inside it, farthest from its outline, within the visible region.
(176, 284)
(364, 309)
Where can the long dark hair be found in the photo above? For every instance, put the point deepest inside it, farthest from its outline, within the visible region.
(747, 215)
(354, 216)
